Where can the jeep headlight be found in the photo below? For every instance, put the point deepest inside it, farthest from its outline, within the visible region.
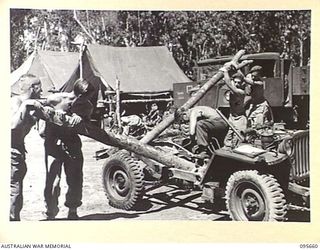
(286, 147)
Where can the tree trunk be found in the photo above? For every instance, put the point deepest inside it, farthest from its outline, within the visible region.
(129, 143)
(139, 27)
(83, 28)
(301, 51)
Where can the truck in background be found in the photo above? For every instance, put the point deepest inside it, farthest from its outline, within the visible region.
(286, 87)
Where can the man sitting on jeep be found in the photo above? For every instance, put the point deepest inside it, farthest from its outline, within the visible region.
(205, 123)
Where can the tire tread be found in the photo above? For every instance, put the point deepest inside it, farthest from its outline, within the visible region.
(272, 191)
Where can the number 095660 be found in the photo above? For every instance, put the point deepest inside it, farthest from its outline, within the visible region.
(308, 245)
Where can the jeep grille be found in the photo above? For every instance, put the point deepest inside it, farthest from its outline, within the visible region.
(300, 158)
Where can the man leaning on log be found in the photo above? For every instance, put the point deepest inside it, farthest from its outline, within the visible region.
(63, 148)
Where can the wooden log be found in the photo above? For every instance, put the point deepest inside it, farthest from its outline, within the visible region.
(194, 99)
(129, 143)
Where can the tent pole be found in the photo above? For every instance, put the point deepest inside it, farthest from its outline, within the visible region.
(118, 102)
(139, 100)
(80, 61)
(111, 106)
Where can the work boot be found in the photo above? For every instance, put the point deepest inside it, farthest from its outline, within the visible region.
(72, 214)
(51, 214)
(12, 218)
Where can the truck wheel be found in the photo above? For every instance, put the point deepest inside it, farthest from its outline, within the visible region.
(251, 196)
(123, 180)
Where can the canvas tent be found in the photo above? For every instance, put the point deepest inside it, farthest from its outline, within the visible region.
(53, 68)
(143, 70)
(145, 73)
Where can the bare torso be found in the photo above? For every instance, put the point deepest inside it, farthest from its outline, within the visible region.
(66, 102)
(23, 125)
(61, 101)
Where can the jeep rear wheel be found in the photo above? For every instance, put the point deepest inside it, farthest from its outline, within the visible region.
(123, 180)
(251, 196)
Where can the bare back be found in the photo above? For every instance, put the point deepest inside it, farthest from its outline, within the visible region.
(66, 102)
(21, 124)
(61, 101)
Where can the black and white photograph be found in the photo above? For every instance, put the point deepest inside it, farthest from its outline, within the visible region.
(176, 115)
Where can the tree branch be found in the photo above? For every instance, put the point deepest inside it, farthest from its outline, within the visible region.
(83, 28)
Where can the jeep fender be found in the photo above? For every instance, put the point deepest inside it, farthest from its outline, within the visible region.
(226, 162)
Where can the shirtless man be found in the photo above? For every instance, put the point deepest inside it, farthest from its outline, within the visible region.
(205, 122)
(63, 147)
(258, 109)
(237, 108)
(22, 121)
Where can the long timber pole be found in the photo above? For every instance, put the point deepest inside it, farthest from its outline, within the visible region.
(124, 142)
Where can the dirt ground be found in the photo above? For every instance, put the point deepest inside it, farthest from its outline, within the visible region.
(159, 203)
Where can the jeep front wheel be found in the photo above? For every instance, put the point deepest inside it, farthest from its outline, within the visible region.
(123, 180)
(251, 196)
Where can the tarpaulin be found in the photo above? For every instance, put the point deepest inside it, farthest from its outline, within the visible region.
(139, 69)
(53, 68)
